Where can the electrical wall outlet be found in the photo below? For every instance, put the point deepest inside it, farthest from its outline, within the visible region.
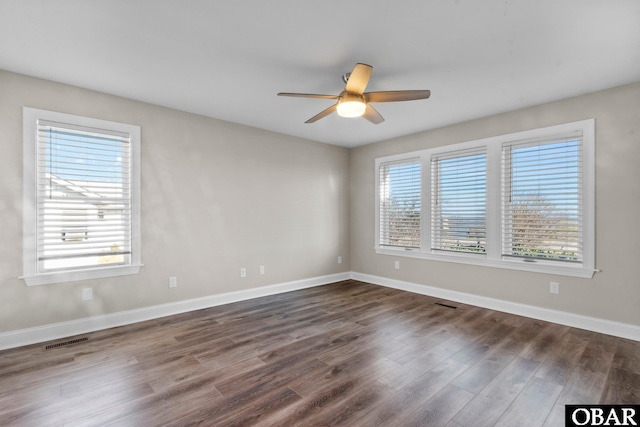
(339, 260)
(243, 272)
(397, 265)
(173, 282)
(554, 287)
(262, 269)
(87, 294)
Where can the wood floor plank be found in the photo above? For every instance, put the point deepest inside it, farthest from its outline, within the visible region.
(316, 344)
(355, 406)
(420, 345)
(322, 399)
(532, 405)
(367, 363)
(584, 387)
(438, 410)
(154, 409)
(348, 353)
(489, 405)
(625, 354)
(623, 387)
(497, 359)
(561, 362)
(432, 357)
(545, 343)
(414, 395)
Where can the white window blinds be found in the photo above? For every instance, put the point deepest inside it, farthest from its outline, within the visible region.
(522, 201)
(542, 199)
(458, 201)
(83, 187)
(399, 210)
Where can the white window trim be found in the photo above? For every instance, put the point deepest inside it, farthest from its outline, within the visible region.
(30, 271)
(493, 257)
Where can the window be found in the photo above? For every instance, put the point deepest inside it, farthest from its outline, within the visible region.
(458, 201)
(400, 204)
(542, 207)
(81, 198)
(520, 201)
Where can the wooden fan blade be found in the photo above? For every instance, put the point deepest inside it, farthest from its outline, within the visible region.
(396, 95)
(359, 78)
(323, 114)
(308, 95)
(372, 115)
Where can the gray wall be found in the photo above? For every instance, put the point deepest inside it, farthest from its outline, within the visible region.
(612, 294)
(218, 196)
(215, 197)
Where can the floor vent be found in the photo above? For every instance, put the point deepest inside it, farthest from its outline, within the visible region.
(445, 305)
(65, 343)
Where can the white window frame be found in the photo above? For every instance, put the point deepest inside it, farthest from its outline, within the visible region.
(31, 275)
(494, 219)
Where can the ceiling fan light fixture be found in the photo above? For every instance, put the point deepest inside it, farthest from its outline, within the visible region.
(353, 101)
(351, 105)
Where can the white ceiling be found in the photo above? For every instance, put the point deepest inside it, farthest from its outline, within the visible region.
(228, 59)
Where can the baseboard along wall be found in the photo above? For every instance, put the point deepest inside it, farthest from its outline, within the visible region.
(60, 330)
(594, 324)
(56, 331)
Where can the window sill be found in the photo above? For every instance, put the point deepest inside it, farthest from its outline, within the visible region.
(481, 260)
(72, 276)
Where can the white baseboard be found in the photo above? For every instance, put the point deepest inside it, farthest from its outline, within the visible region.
(623, 330)
(56, 331)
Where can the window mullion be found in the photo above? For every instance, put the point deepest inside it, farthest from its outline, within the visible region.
(425, 220)
(494, 210)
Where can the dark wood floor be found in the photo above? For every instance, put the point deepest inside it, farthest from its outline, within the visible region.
(346, 354)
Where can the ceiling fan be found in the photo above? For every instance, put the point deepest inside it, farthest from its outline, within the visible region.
(353, 101)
